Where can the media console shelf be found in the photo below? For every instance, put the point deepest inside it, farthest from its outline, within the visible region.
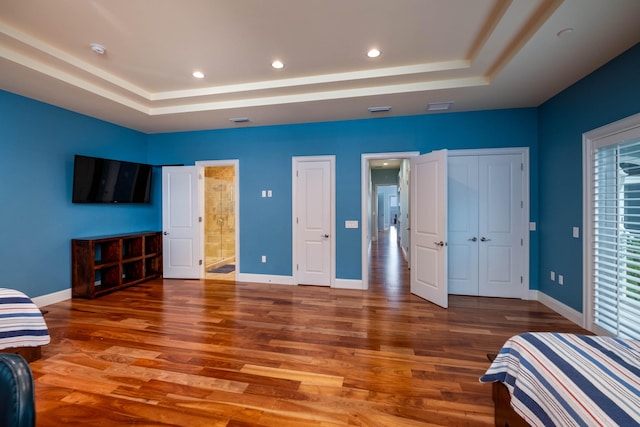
(104, 264)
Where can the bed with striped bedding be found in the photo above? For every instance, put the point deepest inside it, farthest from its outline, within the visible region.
(569, 379)
(21, 321)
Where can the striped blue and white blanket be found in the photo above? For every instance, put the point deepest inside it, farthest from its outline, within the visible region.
(570, 380)
(21, 322)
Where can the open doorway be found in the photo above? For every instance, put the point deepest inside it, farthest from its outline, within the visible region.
(375, 174)
(219, 219)
(387, 207)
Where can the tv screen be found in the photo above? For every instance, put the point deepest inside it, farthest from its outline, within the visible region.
(97, 180)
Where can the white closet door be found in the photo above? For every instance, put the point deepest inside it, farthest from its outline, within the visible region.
(500, 226)
(463, 225)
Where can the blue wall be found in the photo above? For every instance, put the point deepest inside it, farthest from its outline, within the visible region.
(607, 95)
(38, 144)
(384, 176)
(265, 163)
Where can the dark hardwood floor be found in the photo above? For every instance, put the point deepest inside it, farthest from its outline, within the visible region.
(202, 353)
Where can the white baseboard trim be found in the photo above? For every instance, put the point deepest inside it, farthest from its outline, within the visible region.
(53, 298)
(405, 255)
(288, 280)
(348, 284)
(560, 308)
(265, 278)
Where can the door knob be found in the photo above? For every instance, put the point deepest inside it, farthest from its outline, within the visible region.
(473, 239)
(440, 243)
(326, 236)
(166, 233)
(484, 239)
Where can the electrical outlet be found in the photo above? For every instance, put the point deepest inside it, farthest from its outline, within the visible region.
(560, 279)
(553, 276)
(264, 258)
(264, 193)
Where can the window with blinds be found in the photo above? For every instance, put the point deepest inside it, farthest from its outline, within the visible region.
(615, 243)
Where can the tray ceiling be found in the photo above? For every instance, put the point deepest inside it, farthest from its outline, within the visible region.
(480, 54)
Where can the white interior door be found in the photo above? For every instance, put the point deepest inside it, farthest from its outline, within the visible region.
(180, 243)
(501, 226)
(428, 273)
(463, 225)
(313, 221)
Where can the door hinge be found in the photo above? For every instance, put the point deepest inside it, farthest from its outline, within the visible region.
(522, 166)
(199, 219)
(521, 242)
(296, 174)
(521, 204)
(296, 220)
(521, 279)
(297, 267)
(199, 262)
(199, 176)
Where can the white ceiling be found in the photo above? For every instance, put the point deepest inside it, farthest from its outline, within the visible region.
(385, 163)
(479, 54)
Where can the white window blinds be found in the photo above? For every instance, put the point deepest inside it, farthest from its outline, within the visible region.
(616, 238)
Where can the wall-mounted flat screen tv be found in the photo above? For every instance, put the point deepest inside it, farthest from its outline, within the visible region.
(97, 180)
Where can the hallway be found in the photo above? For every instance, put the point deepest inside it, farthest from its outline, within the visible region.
(388, 270)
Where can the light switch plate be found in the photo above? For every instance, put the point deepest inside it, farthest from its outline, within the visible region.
(576, 232)
(351, 224)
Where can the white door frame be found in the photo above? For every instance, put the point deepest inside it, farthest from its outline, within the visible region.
(524, 153)
(365, 179)
(201, 165)
(294, 203)
(612, 133)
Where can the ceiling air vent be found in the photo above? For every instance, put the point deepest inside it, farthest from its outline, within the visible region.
(379, 109)
(439, 106)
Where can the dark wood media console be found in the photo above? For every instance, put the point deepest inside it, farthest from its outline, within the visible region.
(104, 264)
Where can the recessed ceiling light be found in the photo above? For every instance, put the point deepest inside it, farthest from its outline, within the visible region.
(240, 120)
(98, 48)
(385, 164)
(373, 53)
(277, 64)
(379, 109)
(564, 32)
(439, 106)
(198, 74)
